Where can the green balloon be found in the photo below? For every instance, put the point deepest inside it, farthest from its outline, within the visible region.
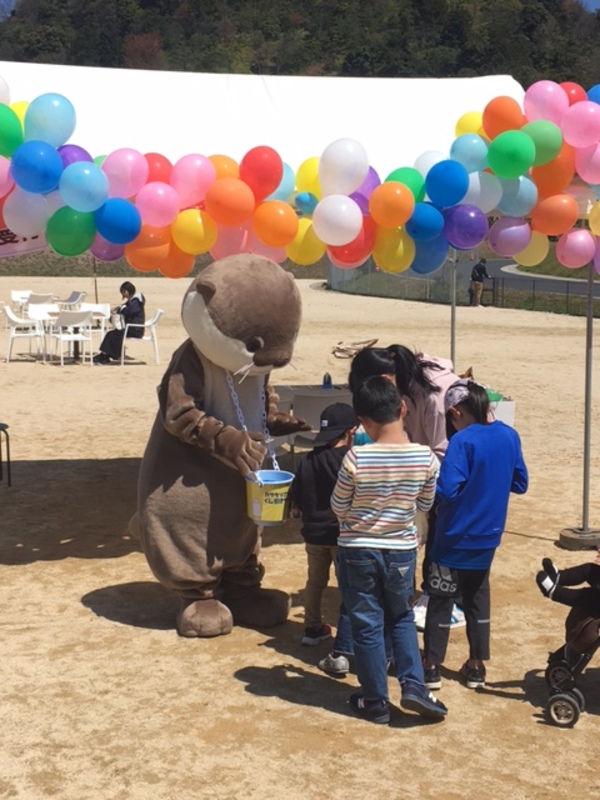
(547, 138)
(11, 132)
(410, 177)
(99, 160)
(511, 154)
(70, 232)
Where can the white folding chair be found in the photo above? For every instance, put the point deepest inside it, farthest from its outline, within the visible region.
(73, 328)
(18, 298)
(19, 328)
(44, 314)
(309, 405)
(34, 298)
(73, 302)
(149, 335)
(100, 316)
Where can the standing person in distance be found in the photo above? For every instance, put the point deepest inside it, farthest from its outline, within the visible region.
(483, 465)
(131, 310)
(478, 273)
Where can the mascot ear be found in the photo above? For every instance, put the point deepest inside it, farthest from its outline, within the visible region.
(206, 288)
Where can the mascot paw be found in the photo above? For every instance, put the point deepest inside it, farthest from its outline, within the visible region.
(259, 608)
(204, 618)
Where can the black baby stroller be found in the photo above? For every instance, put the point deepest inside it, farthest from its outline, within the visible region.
(565, 665)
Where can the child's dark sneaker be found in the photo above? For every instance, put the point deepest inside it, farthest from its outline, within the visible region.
(474, 676)
(433, 679)
(545, 583)
(550, 569)
(417, 697)
(372, 710)
(314, 636)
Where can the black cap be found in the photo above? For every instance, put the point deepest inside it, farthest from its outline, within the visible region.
(483, 260)
(336, 419)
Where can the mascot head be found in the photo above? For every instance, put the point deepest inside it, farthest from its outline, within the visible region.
(243, 314)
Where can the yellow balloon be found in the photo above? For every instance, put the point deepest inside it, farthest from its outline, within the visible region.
(471, 122)
(307, 177)
(306, 247)
(594, 218)
(535, 252)
(194, 232)
(20, 107)
(394, 250)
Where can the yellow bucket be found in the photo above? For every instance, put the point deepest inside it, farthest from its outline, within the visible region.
(267, 495)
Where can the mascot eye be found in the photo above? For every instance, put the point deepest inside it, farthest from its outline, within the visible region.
(254, 344)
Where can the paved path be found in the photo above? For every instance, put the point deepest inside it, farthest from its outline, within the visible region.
(507, 273)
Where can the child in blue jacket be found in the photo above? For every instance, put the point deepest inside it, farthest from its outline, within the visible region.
(483, 465)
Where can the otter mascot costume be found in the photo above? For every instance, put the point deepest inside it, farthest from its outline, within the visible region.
(242, 316)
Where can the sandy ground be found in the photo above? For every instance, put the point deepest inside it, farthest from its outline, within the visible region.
(101, 698)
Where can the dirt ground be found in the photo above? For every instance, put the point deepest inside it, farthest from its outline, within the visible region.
(102, 699)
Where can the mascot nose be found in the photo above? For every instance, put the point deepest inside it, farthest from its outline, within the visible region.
(280, 362)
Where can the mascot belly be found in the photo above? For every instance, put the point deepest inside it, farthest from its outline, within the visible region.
(242, 316)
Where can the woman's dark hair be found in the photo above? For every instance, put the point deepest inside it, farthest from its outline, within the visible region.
(369, 362)
(127, 287)
(477, 404)
(377, 399)
(410, 370)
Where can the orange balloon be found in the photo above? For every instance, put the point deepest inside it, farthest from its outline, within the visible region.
(502, 114)
(225, 167)
(555, 215)
(556, 175)
(178, 264)
(391, 204)
(229, 201)
(275, 223)
(150, 249)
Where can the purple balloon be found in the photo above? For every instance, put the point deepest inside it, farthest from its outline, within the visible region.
(509, 235)
(106, 251)
(365, 190)
(465, 226)
(70, 153)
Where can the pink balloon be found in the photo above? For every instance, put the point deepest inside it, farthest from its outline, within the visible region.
(232, 239)
(6, 181)
(509, 235)
(126, 170)
(576, 248)
(545, 100)
(581, 124)
(276, 254)
(106, 251)
(191, 177)
(587, 162)
(158, 204)
(342, 265)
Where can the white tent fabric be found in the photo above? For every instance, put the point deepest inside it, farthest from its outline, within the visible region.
(175, 113)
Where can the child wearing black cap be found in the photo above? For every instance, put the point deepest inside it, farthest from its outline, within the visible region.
(311, 495)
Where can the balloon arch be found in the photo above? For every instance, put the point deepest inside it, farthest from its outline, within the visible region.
(533, 169)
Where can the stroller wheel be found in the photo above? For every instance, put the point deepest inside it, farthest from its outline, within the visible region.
(562, 710)
(578, 695)
(559, 676)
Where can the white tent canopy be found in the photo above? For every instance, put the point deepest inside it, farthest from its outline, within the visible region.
(177, 113)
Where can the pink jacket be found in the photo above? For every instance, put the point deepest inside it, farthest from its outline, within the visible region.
(425, 421)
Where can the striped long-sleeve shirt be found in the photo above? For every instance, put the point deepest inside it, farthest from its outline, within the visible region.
(379, 488)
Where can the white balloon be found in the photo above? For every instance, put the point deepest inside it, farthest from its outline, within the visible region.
(427, 160)
(25, 213)
(4, 92)
(343, 166)
(337, 220)
(54, 201)
(484, 192)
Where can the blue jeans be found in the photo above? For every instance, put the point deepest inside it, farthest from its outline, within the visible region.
(377, 587)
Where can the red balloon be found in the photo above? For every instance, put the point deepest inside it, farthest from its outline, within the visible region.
(575, 92)
(262, 170)
(159, 168)
(359, 248)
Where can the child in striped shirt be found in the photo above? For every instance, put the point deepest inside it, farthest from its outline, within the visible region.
(379, 488)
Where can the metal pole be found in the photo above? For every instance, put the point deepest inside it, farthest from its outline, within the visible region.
(95, 279)
(587, 417)
(453, 260)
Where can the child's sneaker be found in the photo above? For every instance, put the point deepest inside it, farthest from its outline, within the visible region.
(335, 664)
(457, 620)
(474, 676)
(433, 679)
(420, 611)
(314, 636)
(417, 697)
(372, 710)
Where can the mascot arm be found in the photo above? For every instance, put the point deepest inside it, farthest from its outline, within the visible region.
(279, 423)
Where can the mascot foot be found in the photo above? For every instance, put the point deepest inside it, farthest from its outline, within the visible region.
(259, 608)
(204, 618)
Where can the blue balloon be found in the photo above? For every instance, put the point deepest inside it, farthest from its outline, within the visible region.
(430, 256)
(306, 202)
(118, 221)
(594, 93)
(83, 186)
(51, 118)
(36, 167)
(519, 196)
(286, 185)
(426, 223)
(470, 150)
(446, 183)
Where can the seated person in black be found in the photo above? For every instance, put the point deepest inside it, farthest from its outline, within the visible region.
(130, 311)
